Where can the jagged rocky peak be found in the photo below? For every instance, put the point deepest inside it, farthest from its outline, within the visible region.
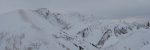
(43, 11)
(46, 12)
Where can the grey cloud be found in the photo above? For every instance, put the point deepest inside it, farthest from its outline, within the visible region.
(96, 7)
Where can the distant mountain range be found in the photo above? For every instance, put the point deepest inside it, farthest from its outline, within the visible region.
(42, 29)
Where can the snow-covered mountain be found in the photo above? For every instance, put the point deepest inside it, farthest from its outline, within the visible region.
(42, 29)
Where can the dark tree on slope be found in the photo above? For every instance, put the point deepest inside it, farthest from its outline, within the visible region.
(147, 25)
(84, 32)
(80, 48)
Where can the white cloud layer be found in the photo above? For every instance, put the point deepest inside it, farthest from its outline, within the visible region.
(96, 7)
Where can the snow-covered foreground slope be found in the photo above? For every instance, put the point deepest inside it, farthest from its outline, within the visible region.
(44, 30)
(25, 30)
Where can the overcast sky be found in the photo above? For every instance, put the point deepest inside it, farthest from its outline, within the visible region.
(96, 7)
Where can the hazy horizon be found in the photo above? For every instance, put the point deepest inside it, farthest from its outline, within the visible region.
(95, 7)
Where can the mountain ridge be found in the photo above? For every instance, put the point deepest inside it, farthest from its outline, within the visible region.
(43, 30)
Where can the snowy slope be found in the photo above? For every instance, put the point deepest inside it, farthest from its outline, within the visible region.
(26, 30)
(147, 47)
(42, 29)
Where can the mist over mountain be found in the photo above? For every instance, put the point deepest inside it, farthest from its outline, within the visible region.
(74, 25)
(94, 7)
(42, 29)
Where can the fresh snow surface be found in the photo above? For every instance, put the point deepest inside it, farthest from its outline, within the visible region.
(45, 30)
(147, 47)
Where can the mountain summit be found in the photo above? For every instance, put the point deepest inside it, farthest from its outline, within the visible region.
(42, 29)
